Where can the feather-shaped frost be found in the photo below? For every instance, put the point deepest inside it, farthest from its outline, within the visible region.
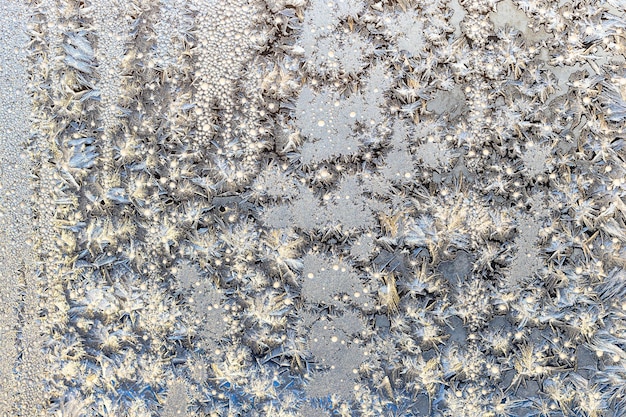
(79, 65)
(81, 43)
(83, 158)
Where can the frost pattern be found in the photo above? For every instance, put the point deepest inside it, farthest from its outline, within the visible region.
(177, 400)
(535, 159)
(172, 24)
(275, 184)
(188, 276)
(433, 154)
(328, 120)
(332, 283)
(363, 247)
(408, 31)
(527, 260)
(335, 55)
(336, 354)
(322, 119)
(399, 166)
(305, 211)
(348, 208)
(328, 52)
(309, 411)
(112, 20)
(23, 367)
(288, 207)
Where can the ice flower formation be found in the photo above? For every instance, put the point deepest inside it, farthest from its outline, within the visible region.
(305, 208)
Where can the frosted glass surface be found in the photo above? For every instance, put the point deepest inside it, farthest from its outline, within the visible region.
(304, 208)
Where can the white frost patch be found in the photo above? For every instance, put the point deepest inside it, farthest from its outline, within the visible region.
(21, 366)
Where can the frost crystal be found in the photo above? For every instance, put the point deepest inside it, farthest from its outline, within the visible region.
(328, 120)
(331, 283)
(329, 52)
(363, 247)
(312, 207)
(305, 211)
(433, 154)
(172, 27)
(177, 400)
(188, 276)
(408, 31)
(322, 118)
(535, 159)
(527, 260)
(337, 354)
(307, 410)
(334, 56)
(348, 208)
(275, 184)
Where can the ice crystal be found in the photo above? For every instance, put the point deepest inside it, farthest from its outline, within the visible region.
(333, 56)
(307, 410)
(349, 8)
(282, 216)
(372, 95)
(79, 53)
(614, 98)
(527, 260)
(408, 31)
(337, 354)
(328, 282)
(320, 18)
(399, 166)
(473, 303)
(171, 27)
(535, 159)
(322, 118)
(275, 184)
(177, 400)
(421, 232)
(363, 247)
(348, 208)
(198, 368)
(289, 207)
(331, 53)
(304, 211)
(188, 276)
(433, 155)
